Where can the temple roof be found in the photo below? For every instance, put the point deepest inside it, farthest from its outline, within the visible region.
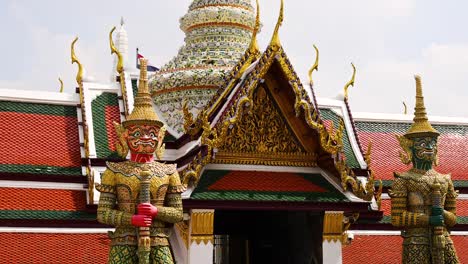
(452, 143)
(39, 138)
(265, 117)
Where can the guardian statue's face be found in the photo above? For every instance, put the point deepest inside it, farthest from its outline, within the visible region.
(142, 139)
(424, 152)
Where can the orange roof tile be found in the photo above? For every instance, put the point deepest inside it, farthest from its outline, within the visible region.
(42, 199)
(385, 206)
(264, 181)
(53, 248)
(452, 152)
(387, 249)
(37, 139)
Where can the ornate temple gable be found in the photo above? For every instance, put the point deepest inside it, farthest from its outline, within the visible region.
(262, 137)
(274, 74)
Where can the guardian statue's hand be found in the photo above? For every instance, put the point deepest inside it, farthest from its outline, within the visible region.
(141, 220)
(147, 209)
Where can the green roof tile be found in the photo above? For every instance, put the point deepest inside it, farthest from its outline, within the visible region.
(40, 169)
(99, 124)
(46, 215)
(351, 160)
(34, 108)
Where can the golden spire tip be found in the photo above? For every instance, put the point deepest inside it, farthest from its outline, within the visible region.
(350, 82)
(61, 85)
(119, 67)
(275, 38)
(253, 47)
(74, 59)
(315, 66)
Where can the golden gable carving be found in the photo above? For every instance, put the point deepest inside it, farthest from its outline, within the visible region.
(262, 137)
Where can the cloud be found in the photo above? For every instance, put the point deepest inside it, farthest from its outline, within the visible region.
(386, 83)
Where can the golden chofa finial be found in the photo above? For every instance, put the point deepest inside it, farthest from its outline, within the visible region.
(61, 85)
(74, 59)
(350, 82)
(114, 50)
(405, 111)
(421, 125)
(253, 48)
(275, 38)
(314, 67)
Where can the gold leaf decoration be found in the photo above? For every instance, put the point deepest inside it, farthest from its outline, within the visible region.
(261, 130)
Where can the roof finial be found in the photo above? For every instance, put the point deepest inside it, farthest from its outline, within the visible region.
(315, 66)
(61, 85)
(114, 50)
(421, 125)
(275, 39)
(79, 75)
(406, 108)
(121, 21)
(253, 48)
(350, 82)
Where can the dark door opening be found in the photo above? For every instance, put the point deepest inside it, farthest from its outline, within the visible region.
(253, 237)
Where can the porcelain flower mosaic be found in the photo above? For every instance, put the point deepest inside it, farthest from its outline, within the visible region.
(217, 33)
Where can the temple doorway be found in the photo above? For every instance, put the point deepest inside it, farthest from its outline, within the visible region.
(253, 237)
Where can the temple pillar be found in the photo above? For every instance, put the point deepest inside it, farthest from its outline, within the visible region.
(201, 236)
(332, 237)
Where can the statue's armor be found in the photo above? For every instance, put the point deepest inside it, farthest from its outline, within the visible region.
(411, 195)
(120, 188)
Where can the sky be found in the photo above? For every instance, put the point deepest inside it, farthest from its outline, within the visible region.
(388, 41)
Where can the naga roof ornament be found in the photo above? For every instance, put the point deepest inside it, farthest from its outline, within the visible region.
(61, 85)
(275, 41)
(421, 125)
(350, 82)
(74, 59)
(217, 34)
(314, 67)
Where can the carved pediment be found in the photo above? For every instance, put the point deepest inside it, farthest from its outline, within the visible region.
(262, 136)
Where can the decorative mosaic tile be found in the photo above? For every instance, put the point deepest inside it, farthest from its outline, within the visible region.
(217, 34)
